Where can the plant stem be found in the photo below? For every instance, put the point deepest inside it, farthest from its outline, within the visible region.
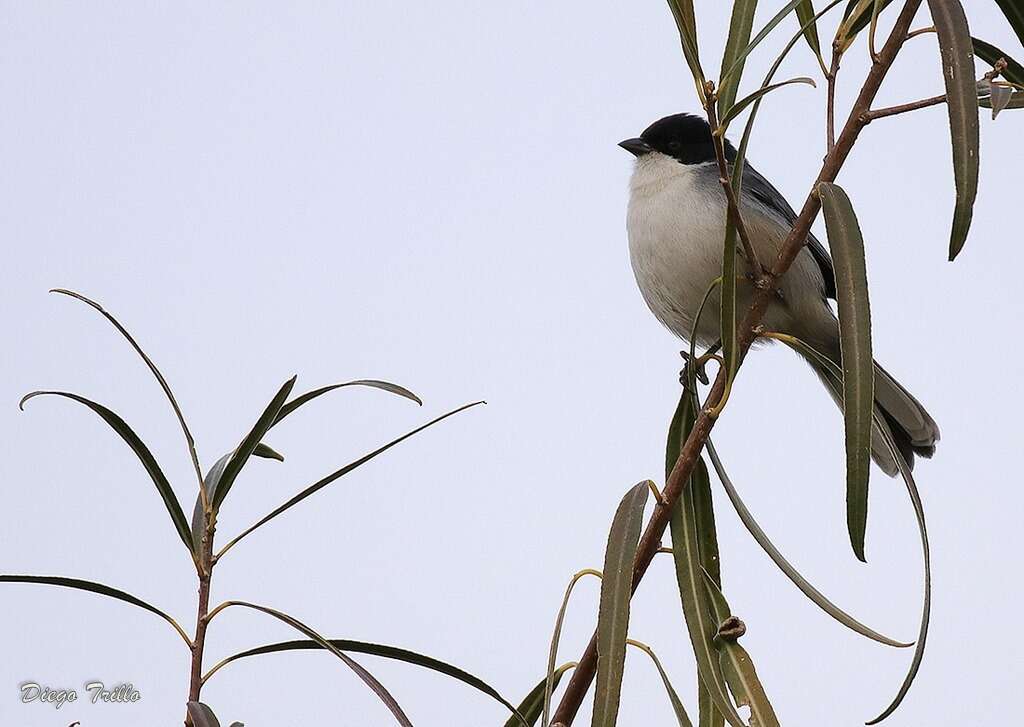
(202, 617)
(651, 540)
(830, 107)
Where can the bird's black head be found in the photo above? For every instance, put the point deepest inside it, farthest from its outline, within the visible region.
(684, 137)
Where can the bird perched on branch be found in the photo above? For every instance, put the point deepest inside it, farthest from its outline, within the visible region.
(676, 226)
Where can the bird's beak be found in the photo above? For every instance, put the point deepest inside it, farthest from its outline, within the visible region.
(637, 147)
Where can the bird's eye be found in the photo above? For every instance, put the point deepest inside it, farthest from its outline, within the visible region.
(674, 145)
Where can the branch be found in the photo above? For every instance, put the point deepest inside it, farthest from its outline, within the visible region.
(830, 107)
(871, 115)
(651, 540)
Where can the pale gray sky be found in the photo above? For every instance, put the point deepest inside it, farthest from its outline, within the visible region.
(431, 193)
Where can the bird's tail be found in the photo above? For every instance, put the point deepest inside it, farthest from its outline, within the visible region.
(913, 429)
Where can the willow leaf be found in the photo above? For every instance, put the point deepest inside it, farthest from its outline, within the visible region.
(847, 246)
(696, 607)
(533, 703)
(739, 106)
(298, 401)
(136, 444)
(806, 26)
(613, 614)
(551, 680)
(101, 589)
(962, 105)
(740, 25)
(245, 449)
(682, 718)
(1014, 12)
(201, 715)
(682, 13)
(375, 686)
(805, 14)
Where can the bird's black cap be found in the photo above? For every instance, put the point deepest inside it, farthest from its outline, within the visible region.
(684, 137)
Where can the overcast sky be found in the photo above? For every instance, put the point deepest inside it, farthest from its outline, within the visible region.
(432, 194)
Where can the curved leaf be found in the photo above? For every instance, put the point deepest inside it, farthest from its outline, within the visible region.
(244, 450)
(805, 14)
(1014, 12)
(93, 587)
(807, 26)
(375, 686)
(694, 597)
(847, 245)
(550, 681)
(816, 596)
(747, 100)
(319, 484)
(189, 440)
(737, 666)
(682, 13)
(853, 24)
(532, 705)
(962, 104)
(383, 650)
(373, 383)
(740, 25)
(141, 451)
(915, 498)
(613, 614)
(673, 697)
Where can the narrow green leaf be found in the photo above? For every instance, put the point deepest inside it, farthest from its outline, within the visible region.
(739, 106)
(737, 666)
(201, 715)
(533, 703)
(708, 715)
(847, 245)
(1014, 72)
(210, 486)
(556, 637)
(244, 450)
(373, 383)
(149, 364)
(805, 14)
(375, 686)
(323, 482)
(740, 25)
(962, 104)
(682, 718)
(682, 13)
(613, 614)
(93, 587)
(696, 606)
(1014, 12)
(854, 23)
(806, 26)
(149, 462)
(915, 498)
(382, 650)
(816, 596)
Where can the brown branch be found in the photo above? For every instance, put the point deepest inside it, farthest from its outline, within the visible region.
(794, 243)
(730, 193)
(202, 612)
(924, 103)
(830, 105)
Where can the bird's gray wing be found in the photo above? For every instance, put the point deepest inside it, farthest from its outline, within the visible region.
(762, 190)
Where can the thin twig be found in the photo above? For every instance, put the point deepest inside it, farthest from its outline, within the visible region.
(830, 105)
(871, 115)
(730, 194)
(791, 247)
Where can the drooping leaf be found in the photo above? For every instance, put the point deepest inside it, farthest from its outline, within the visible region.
(245, 449)
(613, 614)
(93, 587)
(696, 605)
(740, 25)
(551, 682)
(532, 705)
(382, 650)
(737, 666)
(298, 401)
(1014, 71)
(915, 498)
(375, 686)
(163, 487)
(201, 715)
(323, 482)
(847, 245)
(739, 106)
(682, 13)
(784, 565)
(962, 104)
(682, 718)
(189, 440)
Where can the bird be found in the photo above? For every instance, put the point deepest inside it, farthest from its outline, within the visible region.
(675, 223)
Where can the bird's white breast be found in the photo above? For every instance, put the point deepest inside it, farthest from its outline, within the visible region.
(676, 225)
